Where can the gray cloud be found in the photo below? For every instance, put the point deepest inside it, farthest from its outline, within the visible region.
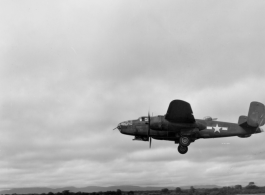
(71, 72)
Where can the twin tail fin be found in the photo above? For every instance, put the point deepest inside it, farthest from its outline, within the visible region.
(256, 115)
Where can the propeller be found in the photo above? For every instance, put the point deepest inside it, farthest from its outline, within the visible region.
(148, 133)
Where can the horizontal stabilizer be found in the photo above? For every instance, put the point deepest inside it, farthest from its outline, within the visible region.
(256, 114)
(242, 120)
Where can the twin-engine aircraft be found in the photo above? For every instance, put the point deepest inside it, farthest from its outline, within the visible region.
(179, 125)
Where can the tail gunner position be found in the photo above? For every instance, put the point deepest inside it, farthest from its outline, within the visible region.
(179, 125)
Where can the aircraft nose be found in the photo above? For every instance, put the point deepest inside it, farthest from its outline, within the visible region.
(124, 127)
(119, 127)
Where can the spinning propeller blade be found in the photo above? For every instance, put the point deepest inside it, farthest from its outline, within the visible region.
(150, 143)
(150, 138)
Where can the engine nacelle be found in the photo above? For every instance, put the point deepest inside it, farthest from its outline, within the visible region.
(159, 123)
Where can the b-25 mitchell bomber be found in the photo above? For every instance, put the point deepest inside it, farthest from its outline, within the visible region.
(180, 126)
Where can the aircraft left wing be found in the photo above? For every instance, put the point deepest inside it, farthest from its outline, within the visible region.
(179, 111)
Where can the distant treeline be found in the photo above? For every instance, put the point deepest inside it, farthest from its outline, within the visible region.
(238, 189)
(67, 192)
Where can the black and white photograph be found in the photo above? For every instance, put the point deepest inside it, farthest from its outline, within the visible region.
(132, 97)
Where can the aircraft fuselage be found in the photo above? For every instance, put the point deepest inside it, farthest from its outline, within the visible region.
(179, 125)
(166, 130)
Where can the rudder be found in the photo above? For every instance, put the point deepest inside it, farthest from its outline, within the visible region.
(242, 120)
(256, 114)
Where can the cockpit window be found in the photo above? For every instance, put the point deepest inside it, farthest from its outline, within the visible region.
(143, 118)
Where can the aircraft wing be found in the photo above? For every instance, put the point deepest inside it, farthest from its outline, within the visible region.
(179, 111)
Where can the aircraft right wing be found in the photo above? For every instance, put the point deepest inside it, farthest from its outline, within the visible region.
(180, 111)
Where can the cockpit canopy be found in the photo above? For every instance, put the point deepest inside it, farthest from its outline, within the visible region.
(208, 118)
(143, 118)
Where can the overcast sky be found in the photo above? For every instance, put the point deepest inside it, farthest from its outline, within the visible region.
(71, 71)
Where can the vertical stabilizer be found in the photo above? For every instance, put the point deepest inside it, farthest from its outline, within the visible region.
(256, 114)
(242, 120)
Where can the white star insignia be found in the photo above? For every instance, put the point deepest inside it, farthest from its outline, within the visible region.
(217, 129)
